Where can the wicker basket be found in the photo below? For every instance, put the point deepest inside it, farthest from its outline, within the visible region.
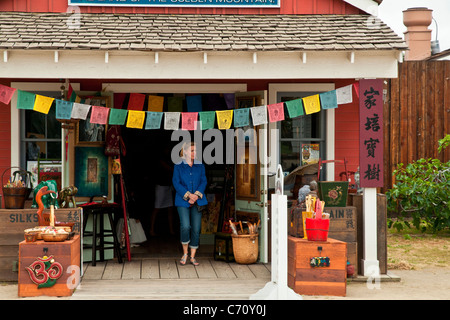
(15, 197)
(245, 248)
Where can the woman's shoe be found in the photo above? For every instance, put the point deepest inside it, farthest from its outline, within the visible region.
(183, 259)
(194, 262)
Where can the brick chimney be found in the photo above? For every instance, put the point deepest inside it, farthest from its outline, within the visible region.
(417, 35)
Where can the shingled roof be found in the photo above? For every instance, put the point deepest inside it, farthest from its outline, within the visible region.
(185, 32)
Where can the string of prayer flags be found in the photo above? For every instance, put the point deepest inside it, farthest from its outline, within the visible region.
(6, 93)
(224, 119)
(175, 104)
(241, 117)
(25, 100)
(155, 103)
(80, 111)
(328, 100)
(99, 115)
(295, 108)
(229, 100)
(42, 104)
(276, 112)
(135, 119)
(119, 98)
(207, 119)
(153, 120)
(136, 101)
(259, 115)
(71, 94)
(117, 116)
(189, 120)
(171, 120)
(194, 103)
(344, 95)
(311, 104)
(63, 109)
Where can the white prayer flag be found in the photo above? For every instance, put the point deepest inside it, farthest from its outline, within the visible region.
(259, 115)
(80, 111)
(171, 120)
(344, 94)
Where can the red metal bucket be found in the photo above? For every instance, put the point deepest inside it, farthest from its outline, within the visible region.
(317, 229)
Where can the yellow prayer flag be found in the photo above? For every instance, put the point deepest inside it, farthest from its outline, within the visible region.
(42, 104)
(224, 119)
(135, 119)
(155, 103)
(311, 104)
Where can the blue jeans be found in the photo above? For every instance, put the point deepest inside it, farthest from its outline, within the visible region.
(190, 225)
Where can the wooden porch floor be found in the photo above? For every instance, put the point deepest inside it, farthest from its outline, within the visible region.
(165, 278)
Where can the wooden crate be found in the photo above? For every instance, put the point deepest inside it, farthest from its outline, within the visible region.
(344, 227)
(67, 253)
(307, 280)
(12, 224)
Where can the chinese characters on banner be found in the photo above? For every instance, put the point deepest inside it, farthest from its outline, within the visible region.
(371, 133)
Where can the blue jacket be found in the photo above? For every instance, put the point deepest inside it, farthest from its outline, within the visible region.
(192, 179)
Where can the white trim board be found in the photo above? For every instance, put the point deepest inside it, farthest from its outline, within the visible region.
(191, 65)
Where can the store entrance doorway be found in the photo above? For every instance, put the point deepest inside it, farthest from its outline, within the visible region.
(141, 170)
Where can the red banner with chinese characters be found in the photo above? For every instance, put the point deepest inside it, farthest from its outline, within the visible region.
(371, 133)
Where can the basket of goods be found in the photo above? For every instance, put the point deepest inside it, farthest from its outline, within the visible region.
(54, 235)
(17, 189)
(316, 227)
(245, 242)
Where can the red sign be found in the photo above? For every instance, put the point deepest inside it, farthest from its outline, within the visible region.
(371, 133)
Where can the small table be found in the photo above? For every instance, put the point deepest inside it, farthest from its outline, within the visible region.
(66, 253)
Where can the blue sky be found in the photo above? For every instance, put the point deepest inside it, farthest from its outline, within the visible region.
(391, 13)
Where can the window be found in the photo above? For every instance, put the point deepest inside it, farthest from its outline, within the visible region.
(303, 130)
(40, 136)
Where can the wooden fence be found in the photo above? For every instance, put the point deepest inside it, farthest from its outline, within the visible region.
(416, 114)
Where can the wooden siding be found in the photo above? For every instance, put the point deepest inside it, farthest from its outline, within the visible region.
(5, 134)
(287, 7)
(416, 113)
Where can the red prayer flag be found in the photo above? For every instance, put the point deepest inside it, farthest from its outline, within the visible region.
(6, 93)
(136, 101)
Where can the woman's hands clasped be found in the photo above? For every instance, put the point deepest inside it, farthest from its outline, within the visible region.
(192, 198)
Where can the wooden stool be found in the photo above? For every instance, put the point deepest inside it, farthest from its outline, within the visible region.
(99, 211)
(223, 241)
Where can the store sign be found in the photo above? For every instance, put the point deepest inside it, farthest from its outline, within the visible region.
(371, 133)
(178, 3)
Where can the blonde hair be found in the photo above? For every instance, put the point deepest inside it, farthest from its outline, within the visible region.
(185, 146)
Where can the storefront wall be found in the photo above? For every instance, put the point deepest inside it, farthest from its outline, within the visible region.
(288, 7)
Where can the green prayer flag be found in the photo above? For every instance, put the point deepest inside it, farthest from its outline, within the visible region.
(295, 108)
(175, 104)
(25, 100)
(207, 119)
(117, 116)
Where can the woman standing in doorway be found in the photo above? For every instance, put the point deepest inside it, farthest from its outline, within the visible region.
(189, 180)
